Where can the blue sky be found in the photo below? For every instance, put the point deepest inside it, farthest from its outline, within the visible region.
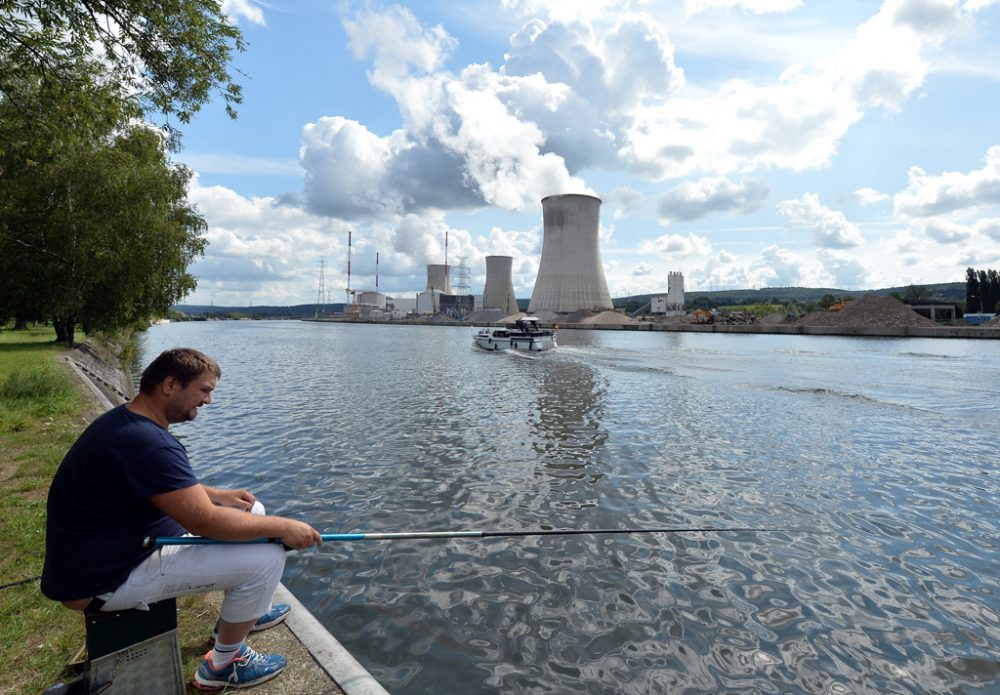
(745, 143)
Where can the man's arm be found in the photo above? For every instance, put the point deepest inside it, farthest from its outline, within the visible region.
(193, 509)
(238, 499)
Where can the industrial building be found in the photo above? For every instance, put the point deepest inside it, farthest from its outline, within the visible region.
(499, 290)
(671, 303)
(371, 299)
(570, 273)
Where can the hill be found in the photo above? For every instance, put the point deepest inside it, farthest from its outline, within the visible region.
(271, 312)
(946, 291)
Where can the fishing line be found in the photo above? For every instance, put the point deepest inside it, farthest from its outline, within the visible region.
(19, 583)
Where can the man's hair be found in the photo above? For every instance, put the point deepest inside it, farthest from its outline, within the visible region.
(184, 364)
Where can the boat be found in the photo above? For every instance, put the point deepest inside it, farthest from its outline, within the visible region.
(524, 335)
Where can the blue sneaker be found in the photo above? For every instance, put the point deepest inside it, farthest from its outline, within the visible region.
(275, 616)
(250, 668)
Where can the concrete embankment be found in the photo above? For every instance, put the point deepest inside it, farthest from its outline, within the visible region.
(318, 663)
(975, 332)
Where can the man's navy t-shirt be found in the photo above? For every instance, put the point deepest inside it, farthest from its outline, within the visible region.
(99, 510)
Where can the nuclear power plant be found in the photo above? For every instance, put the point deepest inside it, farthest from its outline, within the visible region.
(570, 274)
(570, 277)
(499, 290)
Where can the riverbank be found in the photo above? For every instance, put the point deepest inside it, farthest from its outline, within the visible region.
(38, 637)
(976, 332)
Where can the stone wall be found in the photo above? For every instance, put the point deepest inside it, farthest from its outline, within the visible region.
(102, 369)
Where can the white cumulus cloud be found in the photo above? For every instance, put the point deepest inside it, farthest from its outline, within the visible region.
(754, 6)
(831, 229)
(928, 195)
(246, 9)
(693, 200)
(844, 270)
(868, 196)
(675, 245)
(945, 231)
(990, 227)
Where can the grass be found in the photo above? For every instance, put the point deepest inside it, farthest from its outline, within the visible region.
(42, 411)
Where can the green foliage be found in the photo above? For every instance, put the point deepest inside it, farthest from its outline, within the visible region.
(915, 294)
(982, 291)
(96, 230)
(701, 302)
(168, 56)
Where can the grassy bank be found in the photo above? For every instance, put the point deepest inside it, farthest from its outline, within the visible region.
(43, 408)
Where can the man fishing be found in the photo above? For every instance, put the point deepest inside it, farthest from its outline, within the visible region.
(127, 478)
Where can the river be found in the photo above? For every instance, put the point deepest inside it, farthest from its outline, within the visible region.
(880, 457)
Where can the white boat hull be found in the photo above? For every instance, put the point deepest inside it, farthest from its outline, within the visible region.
(532, 344)
(524, 336)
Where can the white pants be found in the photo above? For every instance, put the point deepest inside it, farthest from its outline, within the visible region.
(248, 574)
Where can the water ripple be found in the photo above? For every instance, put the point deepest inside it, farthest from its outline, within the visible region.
(885, 448)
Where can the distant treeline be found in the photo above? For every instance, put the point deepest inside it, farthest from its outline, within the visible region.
(184, 312)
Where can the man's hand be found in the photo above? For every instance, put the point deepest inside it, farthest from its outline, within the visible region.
(237, 499)
(299, 535)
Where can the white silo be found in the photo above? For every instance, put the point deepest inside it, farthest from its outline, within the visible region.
(570, 274)
(499, 290)
(437, 278)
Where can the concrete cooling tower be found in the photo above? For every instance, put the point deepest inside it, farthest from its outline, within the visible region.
(437, 278)
(570, 274)
(499, 290)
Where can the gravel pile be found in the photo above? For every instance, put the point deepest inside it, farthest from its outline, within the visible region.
(868, 312)
(993, 322)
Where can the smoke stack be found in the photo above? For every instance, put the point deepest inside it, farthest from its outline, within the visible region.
(570, 274)
(499, 290)
(437, 278)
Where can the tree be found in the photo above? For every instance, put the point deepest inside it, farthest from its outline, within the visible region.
(915, 294)
(973, 297)
(94, 223)
(987, 299)
(166, 55)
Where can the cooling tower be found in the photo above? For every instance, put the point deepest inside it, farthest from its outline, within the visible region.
(570, 274)
(437, 278)
(499, 290)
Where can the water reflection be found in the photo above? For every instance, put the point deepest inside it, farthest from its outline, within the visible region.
(567, 417)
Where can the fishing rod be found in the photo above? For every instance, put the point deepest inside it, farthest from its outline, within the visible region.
(160, 541)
